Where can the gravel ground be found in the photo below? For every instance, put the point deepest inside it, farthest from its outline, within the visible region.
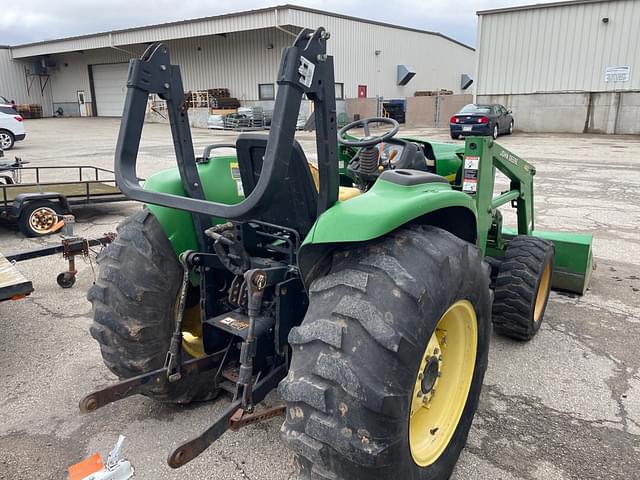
(564, 406)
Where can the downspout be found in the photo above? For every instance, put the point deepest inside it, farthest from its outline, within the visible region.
(476, 74)
(278, 27)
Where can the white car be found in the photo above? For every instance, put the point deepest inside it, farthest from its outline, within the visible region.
(11, 127)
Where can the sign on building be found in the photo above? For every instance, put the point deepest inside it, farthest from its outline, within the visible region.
(617, 74)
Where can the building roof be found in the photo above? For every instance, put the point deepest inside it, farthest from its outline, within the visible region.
(535, 6)
(212, 25)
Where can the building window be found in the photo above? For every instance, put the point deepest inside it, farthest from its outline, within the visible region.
(266, 91)
(339, 91)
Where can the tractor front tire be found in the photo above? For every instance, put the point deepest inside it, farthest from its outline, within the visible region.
(522, 287)
(388, 363)
(134, 304)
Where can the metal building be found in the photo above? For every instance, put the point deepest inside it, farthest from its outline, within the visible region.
(238, 51)
(571, 66)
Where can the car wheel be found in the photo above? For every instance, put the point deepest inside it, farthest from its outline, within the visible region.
(455, 136)
(6, 140)
(511, 127)
(495, 131)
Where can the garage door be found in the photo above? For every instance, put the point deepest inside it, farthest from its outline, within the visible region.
(110, 87)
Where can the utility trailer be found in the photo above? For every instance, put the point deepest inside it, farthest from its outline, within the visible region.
(38, 197)
(15, 286)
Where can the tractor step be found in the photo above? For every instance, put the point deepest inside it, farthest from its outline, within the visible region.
(228, 387)
(237, 323)
(230, 375)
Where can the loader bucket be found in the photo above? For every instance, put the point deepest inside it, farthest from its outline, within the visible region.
(573, 258)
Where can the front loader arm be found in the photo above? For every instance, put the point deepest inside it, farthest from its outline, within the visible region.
(573, 260)
(482, 156)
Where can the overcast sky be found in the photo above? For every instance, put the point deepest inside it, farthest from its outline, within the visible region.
(24, 21)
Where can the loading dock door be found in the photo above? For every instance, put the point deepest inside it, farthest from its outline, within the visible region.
(110, 87)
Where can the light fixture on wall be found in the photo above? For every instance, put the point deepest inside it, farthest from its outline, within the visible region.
(269, 46)
(605, 19)
(378, 52)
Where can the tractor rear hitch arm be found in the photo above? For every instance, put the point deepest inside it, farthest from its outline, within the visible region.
(241, 418)
(137, 385)
(230, 419)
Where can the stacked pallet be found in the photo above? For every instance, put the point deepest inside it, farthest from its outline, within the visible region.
(219, 92)
(432, 93)
(29, 110)
(223, 103)
(198, 99)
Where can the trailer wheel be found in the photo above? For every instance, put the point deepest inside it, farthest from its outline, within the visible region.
(134, 302)
(522, 287)
(40, 217)
(388, 363)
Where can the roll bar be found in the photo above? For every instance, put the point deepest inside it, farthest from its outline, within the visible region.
(305, 68)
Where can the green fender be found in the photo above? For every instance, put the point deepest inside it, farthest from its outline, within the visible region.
(385, 207)
(381, 210)
(221, 183)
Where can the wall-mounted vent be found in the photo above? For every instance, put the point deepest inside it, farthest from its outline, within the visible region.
(465, 81)
(405, 74)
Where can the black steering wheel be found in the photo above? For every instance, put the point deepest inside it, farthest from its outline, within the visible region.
(368, 140)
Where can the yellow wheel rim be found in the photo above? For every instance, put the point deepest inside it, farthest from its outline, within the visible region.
(442, 383)
(543, 292)
(192, 331)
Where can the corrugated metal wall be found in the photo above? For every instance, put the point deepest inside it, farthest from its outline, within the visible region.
(206, 26)
(558, 49)
(71, 72)
(238, 61)
(242, 60)
(438, 62)
(13, 83)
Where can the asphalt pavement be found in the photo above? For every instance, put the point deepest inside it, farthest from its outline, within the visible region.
(563, 406)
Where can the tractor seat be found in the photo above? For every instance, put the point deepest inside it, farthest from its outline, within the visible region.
(344, 193)
(296, 205)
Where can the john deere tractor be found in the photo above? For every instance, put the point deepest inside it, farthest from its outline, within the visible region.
(364, 289)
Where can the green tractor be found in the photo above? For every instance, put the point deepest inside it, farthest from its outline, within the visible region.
(365, 289)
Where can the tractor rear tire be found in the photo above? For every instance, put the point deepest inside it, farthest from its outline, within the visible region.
(134, 304)
(359, 353)
(522, 287)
